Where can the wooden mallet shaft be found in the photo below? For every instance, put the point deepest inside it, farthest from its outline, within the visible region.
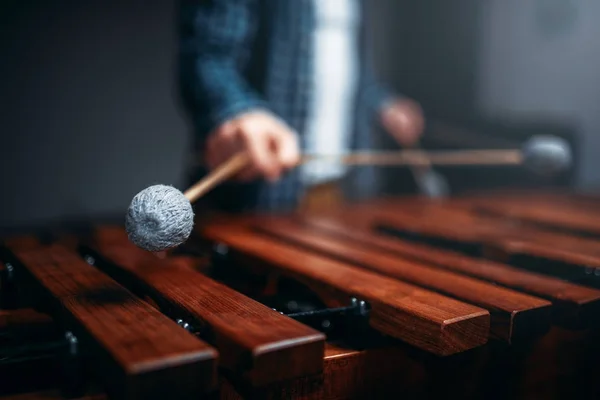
(406, 157)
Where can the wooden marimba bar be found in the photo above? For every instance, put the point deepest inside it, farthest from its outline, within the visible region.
(487, 296)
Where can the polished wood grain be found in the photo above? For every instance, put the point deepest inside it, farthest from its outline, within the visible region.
(574, 305)
(22, 242)
(560, 365)
(554, 215)
(139, 352)
(454, 214)
(568, 200)
(495, 236)
(419, 317)
(514, 315)
(583, 259)
(515, 236)
(556, 229)
(257, 345)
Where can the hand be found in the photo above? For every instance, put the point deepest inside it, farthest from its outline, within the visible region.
(404, 120)
(270, 143)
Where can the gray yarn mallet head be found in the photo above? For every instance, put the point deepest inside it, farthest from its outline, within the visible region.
(547, 155)
(160, 217)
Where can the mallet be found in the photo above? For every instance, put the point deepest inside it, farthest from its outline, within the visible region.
(161, 217)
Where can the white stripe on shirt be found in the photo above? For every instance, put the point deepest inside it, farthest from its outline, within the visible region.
(334, 82)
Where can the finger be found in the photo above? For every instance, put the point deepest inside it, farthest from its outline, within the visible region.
(286, 144)
(211, 152)
(273, 150)
(287, 151)
(247, 175)
(391, 119)
(283, 147)
(221, 147)
(407, 127)
(261, 159)
(416, 120)
(276, 167)
(413, 127)
(220, 152)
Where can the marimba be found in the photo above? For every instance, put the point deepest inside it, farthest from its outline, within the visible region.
(487, 296)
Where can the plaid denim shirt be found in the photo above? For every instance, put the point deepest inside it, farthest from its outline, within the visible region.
(237, 55)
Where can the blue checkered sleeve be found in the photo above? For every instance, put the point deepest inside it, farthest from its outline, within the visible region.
(377, 95)
(214, 40)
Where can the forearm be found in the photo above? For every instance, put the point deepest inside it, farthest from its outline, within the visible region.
(214, 37)
(376, 95)
(216, 92)
(396, 114)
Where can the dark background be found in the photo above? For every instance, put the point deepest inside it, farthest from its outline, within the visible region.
(89, 113)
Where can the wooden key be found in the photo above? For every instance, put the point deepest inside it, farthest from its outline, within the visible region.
(567, 257)
(567, 201)
(514, 315)
(456, 217)
(24, 242)
(574, 305)
(28, 351)
(137, 352)
(258, 346)
(424, 319)
(547, 214)
(435, 221)
(26, 324)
